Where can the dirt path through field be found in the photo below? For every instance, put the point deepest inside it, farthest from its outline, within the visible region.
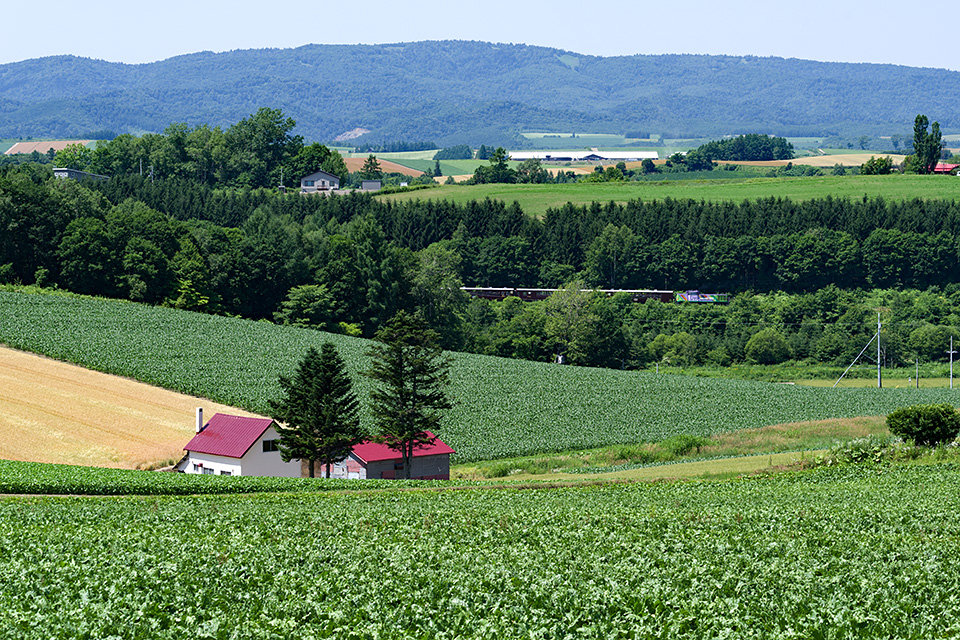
(51, 411)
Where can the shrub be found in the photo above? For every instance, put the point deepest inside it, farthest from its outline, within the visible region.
(681, 445)
(925, 424)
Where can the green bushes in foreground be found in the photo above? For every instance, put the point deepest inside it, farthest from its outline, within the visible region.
(852, 552)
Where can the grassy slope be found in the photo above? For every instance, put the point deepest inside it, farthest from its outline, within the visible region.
(535, 199)
(504, 407)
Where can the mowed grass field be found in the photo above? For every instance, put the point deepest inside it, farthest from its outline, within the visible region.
(535, 199)
(56, 412)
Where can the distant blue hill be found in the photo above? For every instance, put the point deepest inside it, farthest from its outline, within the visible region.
(473, 92)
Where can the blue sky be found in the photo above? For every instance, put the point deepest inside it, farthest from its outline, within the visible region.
(135, 32)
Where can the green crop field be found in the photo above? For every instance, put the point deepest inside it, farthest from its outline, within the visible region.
(833, 553)
(503, 407)
(535, 199)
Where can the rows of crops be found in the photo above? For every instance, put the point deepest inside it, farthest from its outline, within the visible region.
(836, 553)
(60, 479)
(503, 407)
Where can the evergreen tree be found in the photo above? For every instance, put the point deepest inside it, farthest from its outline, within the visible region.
(412, 374)
(371, 169)
(320, 413)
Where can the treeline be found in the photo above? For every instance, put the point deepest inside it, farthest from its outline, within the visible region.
(348, 263)
(258, 152)
(749, 147)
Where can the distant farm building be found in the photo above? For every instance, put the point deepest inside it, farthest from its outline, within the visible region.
(945, 167)
(584, 156)
(319, 181)
(371, 185)
(75, 174)
(240, 446)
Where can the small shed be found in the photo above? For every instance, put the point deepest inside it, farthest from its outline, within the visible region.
(374, 460)
(319, 181)
(371, 185)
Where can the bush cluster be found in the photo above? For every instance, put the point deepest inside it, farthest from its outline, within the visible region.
(925, 424)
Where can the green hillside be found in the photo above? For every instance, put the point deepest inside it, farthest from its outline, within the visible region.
(453, 92)
(503, 407)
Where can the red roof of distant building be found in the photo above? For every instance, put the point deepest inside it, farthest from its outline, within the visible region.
(944, 167)
(374, 452)
(230, 436)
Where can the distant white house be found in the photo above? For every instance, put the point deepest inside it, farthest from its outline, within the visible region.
(241, 446)
(76, 174)
(584, 156)
(319, 181)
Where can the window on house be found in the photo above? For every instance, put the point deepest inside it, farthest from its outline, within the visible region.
(270, 445)
(308, 183)
(398, 466)
(226, 473)
(208, 471)
(197, 467)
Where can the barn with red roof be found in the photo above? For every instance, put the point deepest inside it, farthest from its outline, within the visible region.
(247, 446)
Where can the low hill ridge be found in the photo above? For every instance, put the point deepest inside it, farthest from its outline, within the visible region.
(474, 92)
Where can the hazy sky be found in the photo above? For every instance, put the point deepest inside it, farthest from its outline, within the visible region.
(829, 30)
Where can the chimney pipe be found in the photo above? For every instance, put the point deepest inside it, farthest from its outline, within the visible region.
(199, 419)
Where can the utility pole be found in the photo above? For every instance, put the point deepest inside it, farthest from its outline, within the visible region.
(951, 352)
(879, 379)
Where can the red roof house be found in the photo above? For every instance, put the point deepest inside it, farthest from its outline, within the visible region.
(238, 445)
(945, 167)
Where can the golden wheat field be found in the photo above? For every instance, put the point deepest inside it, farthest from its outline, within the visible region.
(51, 411)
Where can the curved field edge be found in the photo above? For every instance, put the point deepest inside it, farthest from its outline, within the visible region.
(503, 407)
(832, 553)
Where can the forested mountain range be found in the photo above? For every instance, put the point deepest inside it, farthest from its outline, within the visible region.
(455, 92)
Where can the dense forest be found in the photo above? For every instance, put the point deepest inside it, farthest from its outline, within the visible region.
(808, 276)
(454, 92)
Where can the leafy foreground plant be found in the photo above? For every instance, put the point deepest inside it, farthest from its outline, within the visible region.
(833, 553)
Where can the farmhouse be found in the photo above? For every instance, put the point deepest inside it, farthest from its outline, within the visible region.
(236, 446)
(319, 181)
(240, 446)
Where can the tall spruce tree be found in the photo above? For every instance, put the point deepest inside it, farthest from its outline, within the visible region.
(413, 374)
(319, 413)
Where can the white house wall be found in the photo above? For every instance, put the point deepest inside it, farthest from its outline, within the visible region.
(258, 463)
(209, 463)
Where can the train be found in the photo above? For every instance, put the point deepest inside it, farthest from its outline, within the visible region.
(636, 295)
